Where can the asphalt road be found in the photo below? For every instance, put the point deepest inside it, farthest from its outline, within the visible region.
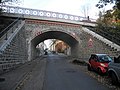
(62, 75)
(52, 72)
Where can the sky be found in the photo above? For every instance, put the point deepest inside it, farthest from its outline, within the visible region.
(74, 7)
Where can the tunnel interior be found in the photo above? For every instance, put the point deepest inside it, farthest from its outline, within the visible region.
(71, 41)
(68, 39)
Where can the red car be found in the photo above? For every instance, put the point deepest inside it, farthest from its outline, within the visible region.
(99, 62)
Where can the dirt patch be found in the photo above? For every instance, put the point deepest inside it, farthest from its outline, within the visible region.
(78, 62)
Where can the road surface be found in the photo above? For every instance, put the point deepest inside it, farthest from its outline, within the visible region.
(62, 75)
(53, 72)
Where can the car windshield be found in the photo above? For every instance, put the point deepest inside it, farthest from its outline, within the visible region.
(104, 58)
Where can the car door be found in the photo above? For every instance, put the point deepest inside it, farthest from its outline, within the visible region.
(94, 61)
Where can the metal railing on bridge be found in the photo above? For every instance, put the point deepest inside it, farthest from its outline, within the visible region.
(45, 15)
(9, 56)
(10, 28)
(107, 35)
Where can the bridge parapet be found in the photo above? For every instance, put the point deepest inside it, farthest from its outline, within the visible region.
(41, 13)
(46, 15)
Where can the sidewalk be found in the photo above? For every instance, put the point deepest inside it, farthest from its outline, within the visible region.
(15, 80)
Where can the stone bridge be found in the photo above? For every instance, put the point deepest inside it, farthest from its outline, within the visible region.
(37, 25)
(38, 31)
(81, 43)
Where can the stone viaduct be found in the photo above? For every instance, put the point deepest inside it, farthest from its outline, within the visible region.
(36, 26)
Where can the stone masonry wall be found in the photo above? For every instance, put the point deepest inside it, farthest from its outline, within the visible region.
(90, 45)
(15, 53)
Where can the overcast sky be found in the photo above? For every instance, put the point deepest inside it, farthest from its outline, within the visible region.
(75, 7)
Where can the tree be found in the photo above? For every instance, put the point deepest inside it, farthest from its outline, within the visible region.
(103, 3)
(105, 19)
(116, 8)
(116, 13)
(109, 22)
(108, 17)
(85, 10)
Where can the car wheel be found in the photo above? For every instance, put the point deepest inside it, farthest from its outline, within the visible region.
(99, 71)
(114, 78)
(89, 67)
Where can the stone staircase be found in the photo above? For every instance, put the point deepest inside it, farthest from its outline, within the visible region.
(104, 45)
(13, 50)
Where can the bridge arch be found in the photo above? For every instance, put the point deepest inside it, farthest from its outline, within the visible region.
(69, 38)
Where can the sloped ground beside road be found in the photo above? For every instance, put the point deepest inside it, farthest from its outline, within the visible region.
(36, 77)
(16, 79)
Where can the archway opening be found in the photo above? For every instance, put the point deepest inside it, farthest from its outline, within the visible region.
(58, 35)
(53, 46)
